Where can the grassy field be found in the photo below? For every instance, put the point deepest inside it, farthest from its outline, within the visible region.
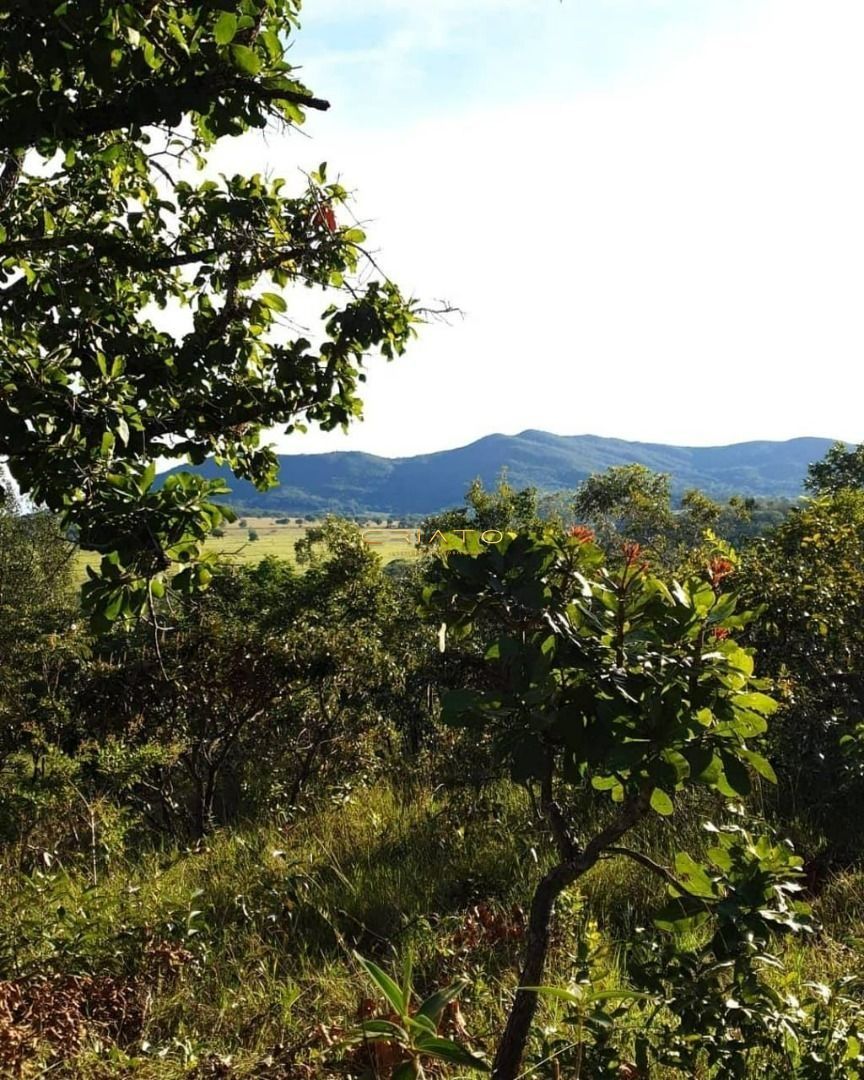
(279, 540)
(241, 948)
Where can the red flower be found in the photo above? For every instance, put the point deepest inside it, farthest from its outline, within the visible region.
(719, 633)
(324, 217)
(718, 569)
(582, 533)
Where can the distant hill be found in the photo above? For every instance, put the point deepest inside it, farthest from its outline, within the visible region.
(353, 483)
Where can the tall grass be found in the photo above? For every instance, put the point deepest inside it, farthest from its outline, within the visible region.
(266, 919)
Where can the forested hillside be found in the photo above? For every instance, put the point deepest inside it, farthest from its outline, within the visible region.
(354, 483)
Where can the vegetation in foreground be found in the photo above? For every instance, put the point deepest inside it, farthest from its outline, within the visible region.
(224, 832)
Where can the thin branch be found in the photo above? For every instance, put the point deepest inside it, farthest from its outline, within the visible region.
(655, 868)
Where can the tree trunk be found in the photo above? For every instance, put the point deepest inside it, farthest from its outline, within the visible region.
(508, 1058)
(574, 863)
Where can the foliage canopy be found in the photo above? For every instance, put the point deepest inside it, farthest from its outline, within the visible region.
(105, 107)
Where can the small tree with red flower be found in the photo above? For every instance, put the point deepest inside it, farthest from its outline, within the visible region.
(612, 679)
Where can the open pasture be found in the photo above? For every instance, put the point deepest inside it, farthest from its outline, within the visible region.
(279, 539)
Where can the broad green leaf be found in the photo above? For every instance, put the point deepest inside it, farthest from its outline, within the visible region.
(694, 876)
(386, 985)
(384, 1029)
(225, 28)
(661, 803)
(245, 59)
(736, 774)
(760, 703)
(435, 1004)
(760, 764)
(422, 1023)
(274, 301)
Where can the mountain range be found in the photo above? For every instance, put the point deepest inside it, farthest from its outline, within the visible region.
(353, 483)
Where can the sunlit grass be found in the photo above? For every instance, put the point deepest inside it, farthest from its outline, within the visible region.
(278, 540)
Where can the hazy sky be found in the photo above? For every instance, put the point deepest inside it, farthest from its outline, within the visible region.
(651, 212)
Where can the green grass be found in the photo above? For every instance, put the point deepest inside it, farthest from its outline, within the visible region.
(270, 916)
(279, 540)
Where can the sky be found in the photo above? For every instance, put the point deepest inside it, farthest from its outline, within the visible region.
(650, 212)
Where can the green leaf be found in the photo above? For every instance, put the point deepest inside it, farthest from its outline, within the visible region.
(245, 59)
(760, 764)
(619, 995)
(384, 1029)
(113, 607)
(435, 1004)
(225, 28)
(422, 1023)
(694, 876)
(354, 236)
(273, 301)
(150, 58)
(573, 997)
(451, 1052)
(736, 774)
(661, 803)
(385, 984)
(272, 44)
(760, 703)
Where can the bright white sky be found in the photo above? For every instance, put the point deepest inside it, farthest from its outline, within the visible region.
(651, 212)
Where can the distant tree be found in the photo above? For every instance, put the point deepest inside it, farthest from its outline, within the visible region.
(626, 502)
(253, 534)
(841, 468)
(502, 508)
(632, 503)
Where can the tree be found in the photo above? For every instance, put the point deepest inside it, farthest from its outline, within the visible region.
(808, 574)
(104, 107)
(39, 638)
(603, 679)
(501, 508)
(632, 503)
(840, 468)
